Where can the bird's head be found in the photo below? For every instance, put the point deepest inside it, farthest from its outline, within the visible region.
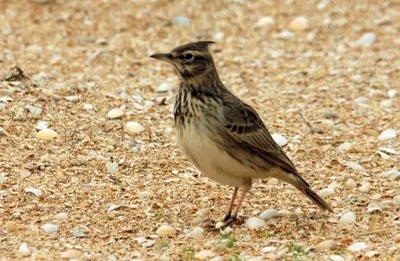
(190, 61)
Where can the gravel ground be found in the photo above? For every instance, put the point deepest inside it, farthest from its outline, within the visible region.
(92, 187)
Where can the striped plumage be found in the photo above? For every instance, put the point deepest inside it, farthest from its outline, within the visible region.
(220, 134)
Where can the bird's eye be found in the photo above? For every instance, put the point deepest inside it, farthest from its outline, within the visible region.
(188, 57)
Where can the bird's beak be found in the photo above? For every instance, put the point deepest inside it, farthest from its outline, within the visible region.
(166, 57)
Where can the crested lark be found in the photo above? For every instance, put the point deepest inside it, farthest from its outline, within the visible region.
(220, 134)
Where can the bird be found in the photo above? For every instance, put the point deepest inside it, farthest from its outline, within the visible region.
(221, 135)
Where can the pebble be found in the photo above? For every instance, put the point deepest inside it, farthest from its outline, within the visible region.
(25, 173)
(35, 111)
(181, 20)
(166, 230)
(24, 250)
(345, 146)
(357, 79)
(79, 234)
(392, 93)
(268, 249)
(330, 114)
(391, 174)
(386, 104)
(327, 244)
(113, 207)
(366, 187)
(71, 254)
(218, 36)
(371, 254)
(2, 106)
(112, 167)
(354, 166)
(323, 4)
(3, 132)
(361, 100)
(218, 258)
(348, 217)
(50, 228)
(219, 224)
(34, 191)
(265, 22)
(269, 213)
(204, 254)
(255, 223)
(88, 106)
(358, 246)
(165, 87)
(285, 212)
(115, 113)
(133, 127)
(61, 216)
(41, 125)
(145, 194)
(47, 134)
(12, 227)
(72, 98)
(374, 207)
(336, 258)
(324, 193)
(351, 184)
(299, 23)
(366, 40)
(387, 135)
(285, 34)
(396, 200)
(279, 139)
(196, 233)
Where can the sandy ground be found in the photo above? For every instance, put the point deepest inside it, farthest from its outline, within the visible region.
(105, 192)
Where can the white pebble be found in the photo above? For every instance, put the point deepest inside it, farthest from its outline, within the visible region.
(371, 254)
(166, 230)
(356, 78)
(351, 184)
(362, 100)
(356, 247)
(204, 254)
(42, 125)
(34, 191)
(354, 166)
(299, 23)
(392, 93)
(165, 87)
(285, 212)
(146, 194)
(50, 228)
(218, 36)
(255, 223)
(269, 213)
(336, 258)
(115, 113)
(326, 244)
(88, 106)
(72, 98)
(196, 233)
(46, 134)
(324, 193)
(348, 217)
(61, 216)
(386, 104)
(391, 174)
(344, 146)
(265, 22)
(268, 249)
(71, 254)
(387, 135)
(35, 111)
(113, 207)
(133, 127)
(219, 224)
(322, 5)
(24, 250)
(365, 187)
(366, 40)
(396, 200)
(279, 139)
(285, 34)
(374, 207)
(112, 167)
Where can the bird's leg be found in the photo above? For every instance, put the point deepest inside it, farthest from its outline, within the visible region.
(246, 187)
(228, 216)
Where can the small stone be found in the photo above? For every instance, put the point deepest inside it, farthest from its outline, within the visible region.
(285, 34)
(115, 113)
(269, 213)
(145, 194)
(3, 132)
(354, 166)
(366, 40)
(204, 254)
(285, 212)
(351, 184)
(181, 20)
(327, 244)
(391, 174)
(34, 191)
(72, 98)
(42, 125)
(12, 227)
(361, 100)
(255, 223)
(61, 216)
(336, 258)
(330, 114)
(323, 4)
(50, 228)
(357, 79)
(268, 249)
(196, 233)
(386, 104)
(24, 250)
(88, 106)
(387, 135)
(71, 254)
(324, 193)
(365, 187)
(348, 217)
(299, 23)
(218, 36)
(133, 127)
(47, 134)
(392, 93)
(166, 230)
(165, 87)
(345, 146)
(113, 207)
(265, 22)
(79, 234)
(219, 224)
(35, 111)
(374, 207)
(112, 167)
(396, 200)
(218, 258)
(371, 254)
(279, 139)
(358, 246)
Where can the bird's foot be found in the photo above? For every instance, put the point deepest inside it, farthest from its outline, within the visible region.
(228, 221)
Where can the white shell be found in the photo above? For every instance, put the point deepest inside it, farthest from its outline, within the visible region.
(299, 23)
(35, 111)
(358, 246)
(204, 254)
(327, 244)
(61, 216)
(387, 135)
(365, 187)
(88, 106)
(326, 192)
(371, 253)
(392, 93)
(344, 146)
(133, 127)
(268, 249)
(255, 223)
(265, 22)
(24, 250)
(348, 217)
(374, 207)
(354, 166)
(336, 258)
(196, 233)
(146, 194)
(165, 87)
(366, 40)
(391, 174)
(112, 167)
(50, 228)
(34, 191)
(389, 151)
(46, 134)
(396, 200)
(71, 254)
(115, 113)
(166, 230)
(41, 125)
(269, 213)
(279, 139)
(351, 184)
(285, 34)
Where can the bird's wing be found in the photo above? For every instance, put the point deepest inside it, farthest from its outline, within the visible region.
(245, 126)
